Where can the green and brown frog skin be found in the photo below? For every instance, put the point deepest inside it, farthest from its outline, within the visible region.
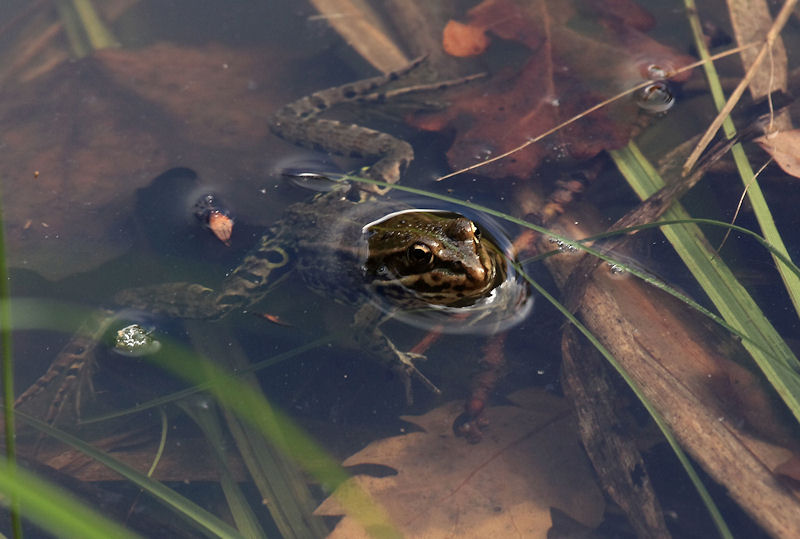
(413, 259)
(417, 259)
(301, 121)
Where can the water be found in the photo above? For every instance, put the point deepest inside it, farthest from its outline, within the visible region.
(194, 87)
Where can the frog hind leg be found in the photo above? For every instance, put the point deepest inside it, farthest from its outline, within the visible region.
(71, 369)
(246, 285)
(299, 122)
(369, 337)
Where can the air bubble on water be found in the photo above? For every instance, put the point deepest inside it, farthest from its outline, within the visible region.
(656, 97)
(657, 72)
(615, 269)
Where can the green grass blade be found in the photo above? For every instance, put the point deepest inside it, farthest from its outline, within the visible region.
(734, 303)
(9, 428)
(204, 386)
(55, 510)
(69, 21)
(206, 415)
(99, 35)
(193, 513)
(275, 475)
(754, 193)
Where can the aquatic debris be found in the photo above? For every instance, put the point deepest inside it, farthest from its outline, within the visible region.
(213, 215)
(580, 54)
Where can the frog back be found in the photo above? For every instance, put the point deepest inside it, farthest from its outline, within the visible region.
(327, 240)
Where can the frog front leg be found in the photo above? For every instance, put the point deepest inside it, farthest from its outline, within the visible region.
(368, 336)
(245, 286)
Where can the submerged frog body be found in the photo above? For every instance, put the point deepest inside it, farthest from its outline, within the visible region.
(408, 259)
(379, 257)
(355, 252)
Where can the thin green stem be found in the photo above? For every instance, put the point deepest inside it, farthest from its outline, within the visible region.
(754, 193)
(100, 37)
(8, 378)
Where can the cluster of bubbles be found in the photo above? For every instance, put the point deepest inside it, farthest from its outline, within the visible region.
(563, 246)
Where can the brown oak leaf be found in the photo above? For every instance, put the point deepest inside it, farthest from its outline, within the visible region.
(580, 54)
(505, 486)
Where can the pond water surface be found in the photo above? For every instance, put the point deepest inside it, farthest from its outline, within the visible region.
(104, 153)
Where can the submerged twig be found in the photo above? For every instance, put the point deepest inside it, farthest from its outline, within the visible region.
(358, 24)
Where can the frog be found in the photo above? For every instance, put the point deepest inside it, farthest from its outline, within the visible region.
(369, 255)
(381, 257)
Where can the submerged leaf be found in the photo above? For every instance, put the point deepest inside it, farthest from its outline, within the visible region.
(79, 140)
(784, 147)
(463, 40)
(529, 462)
(580, 54)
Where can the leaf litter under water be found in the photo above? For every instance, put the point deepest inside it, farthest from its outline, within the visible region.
(579, 54)
(529, 462)
(79, 140)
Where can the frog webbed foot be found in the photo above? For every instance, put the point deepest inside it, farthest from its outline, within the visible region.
(470, 428)
(406, 370)
(369, 336)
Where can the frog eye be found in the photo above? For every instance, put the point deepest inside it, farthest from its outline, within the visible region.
(419, 253)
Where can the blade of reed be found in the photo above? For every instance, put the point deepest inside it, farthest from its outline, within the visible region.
(276, 476)
(178, 395)
(192, 513)
(72, 27)
(204, 412)
(100, 37)
(749, 180)
(9, 428)
(55, 510)
(734, 303)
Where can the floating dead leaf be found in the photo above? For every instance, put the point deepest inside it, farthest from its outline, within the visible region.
(222, 227)
(784, 147)
(99, 128)
(463, 40)
(581, 53)
(274, 318)
(529, 462)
